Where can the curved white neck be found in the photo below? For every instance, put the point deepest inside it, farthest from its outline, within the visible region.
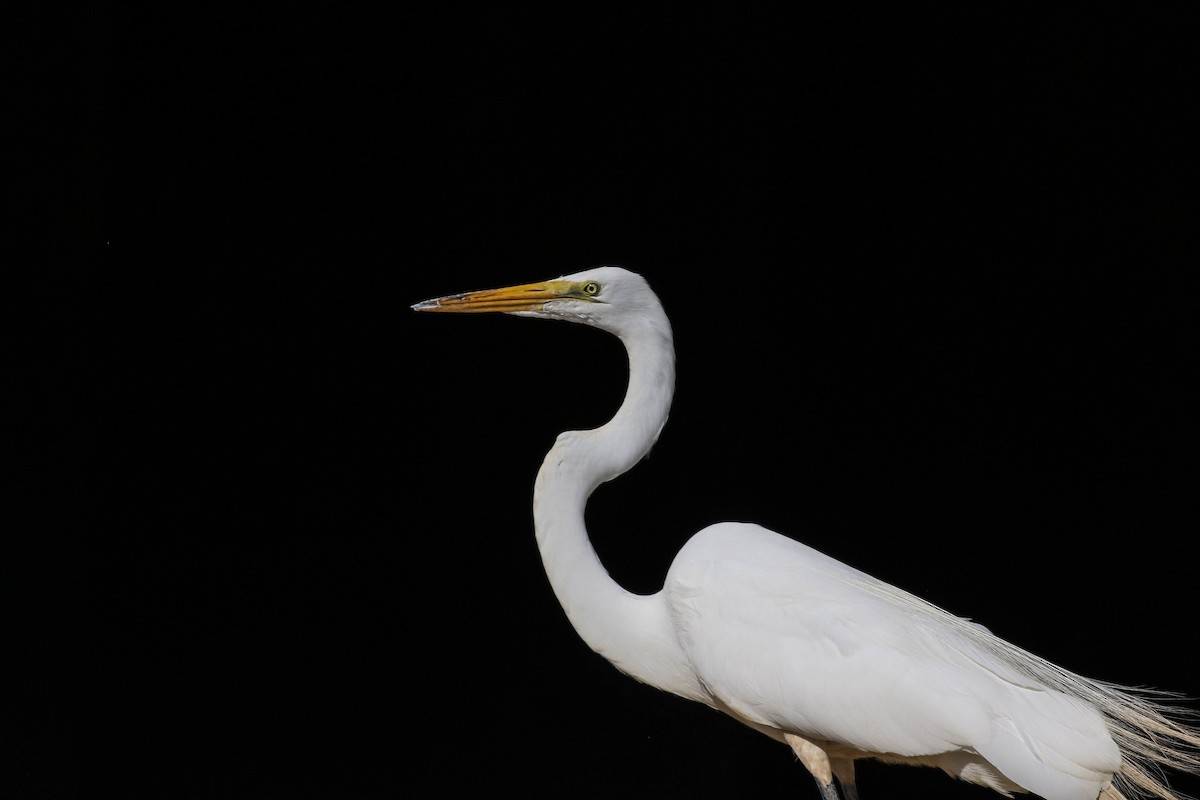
(631, 631)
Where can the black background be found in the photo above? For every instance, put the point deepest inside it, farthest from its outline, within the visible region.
(926, 274)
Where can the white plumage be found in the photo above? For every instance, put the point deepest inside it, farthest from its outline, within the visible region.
(804, 648)
(877, 671)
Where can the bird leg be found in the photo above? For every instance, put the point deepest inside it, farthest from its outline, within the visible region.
(843, 770)
(816, 761)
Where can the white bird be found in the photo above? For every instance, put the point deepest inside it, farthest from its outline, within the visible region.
(812, 652)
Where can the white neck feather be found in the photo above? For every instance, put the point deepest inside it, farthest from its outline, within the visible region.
(631, 631)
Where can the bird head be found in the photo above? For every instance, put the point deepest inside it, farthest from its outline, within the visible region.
(605, 297)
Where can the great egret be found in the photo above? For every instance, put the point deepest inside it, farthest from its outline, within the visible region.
(812, 652)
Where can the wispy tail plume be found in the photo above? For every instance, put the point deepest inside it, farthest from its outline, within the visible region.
(1153, 732)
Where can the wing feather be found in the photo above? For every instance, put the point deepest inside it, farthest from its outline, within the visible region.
(791, 639)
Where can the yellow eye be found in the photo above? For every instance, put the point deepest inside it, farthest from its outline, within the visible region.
(591, 288)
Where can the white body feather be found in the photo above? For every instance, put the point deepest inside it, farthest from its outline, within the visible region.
(789, 640)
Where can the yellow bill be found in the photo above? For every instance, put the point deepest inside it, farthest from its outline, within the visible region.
(525, 297)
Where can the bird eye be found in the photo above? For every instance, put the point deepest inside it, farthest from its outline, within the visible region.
(591, 288)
